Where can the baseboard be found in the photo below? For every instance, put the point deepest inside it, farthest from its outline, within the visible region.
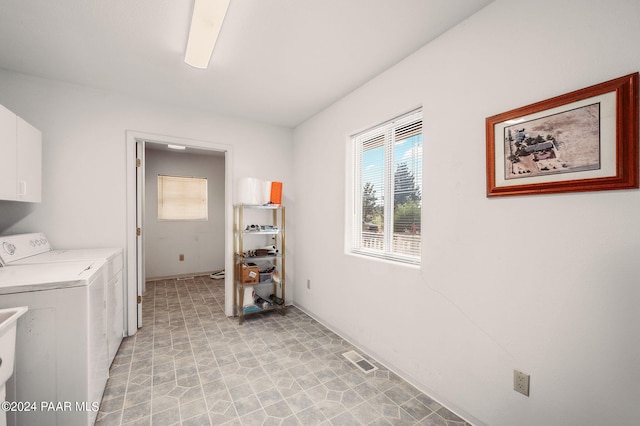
(398, 371)
(172, 277)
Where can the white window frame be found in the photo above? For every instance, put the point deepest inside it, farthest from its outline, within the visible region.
(354, 241)
(174, 206)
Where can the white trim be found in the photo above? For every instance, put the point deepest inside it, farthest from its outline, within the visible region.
(356, 144)
(132, 137)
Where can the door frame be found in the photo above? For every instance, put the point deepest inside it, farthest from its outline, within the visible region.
(134, 287)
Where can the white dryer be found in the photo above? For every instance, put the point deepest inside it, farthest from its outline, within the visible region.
(33, 248)
(60, 369)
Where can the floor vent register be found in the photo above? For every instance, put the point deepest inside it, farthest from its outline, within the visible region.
(357, 360)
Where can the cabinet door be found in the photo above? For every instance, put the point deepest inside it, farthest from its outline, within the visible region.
(29, 154)
(8, 166)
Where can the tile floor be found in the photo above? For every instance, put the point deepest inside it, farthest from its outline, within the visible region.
(191, 365)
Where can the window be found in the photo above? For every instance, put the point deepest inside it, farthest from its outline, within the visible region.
(182, 198)
(387, 190)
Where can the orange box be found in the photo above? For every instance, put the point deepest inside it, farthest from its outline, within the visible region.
(276, 192)
(250, 274)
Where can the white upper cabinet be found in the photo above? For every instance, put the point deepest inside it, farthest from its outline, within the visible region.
(8, 167)
(29, 162)
(21, 160)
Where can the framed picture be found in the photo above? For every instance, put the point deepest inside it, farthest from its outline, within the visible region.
(585, 140)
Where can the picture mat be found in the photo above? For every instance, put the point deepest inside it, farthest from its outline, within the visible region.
(607, 103)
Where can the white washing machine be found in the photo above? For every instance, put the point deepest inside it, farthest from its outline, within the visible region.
(60, 366)
(24, 249)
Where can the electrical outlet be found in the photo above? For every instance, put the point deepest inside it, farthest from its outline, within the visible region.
(308, 284)
(181, 257)
(521, 382)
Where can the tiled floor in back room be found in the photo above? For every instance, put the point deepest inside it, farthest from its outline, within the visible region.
(191, 365)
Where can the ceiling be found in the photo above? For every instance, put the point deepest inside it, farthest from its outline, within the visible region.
(276, 61)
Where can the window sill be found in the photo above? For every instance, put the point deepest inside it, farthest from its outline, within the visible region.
(411, 263)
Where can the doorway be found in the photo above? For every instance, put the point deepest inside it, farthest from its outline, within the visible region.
(137, 145)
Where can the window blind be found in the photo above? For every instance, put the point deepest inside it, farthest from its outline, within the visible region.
(387, 190)
(182, 198)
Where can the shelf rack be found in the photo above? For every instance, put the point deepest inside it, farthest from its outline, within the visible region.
(247, 239)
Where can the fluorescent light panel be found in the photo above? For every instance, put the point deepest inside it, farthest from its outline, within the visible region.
(206, 23)
(176, 147)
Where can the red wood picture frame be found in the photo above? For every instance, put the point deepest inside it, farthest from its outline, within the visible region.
(585, 140)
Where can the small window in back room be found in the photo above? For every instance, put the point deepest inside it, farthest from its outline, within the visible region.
(182, 198)
(387, 190)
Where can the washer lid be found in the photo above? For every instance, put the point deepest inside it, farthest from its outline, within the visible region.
(46, 276)
(70, 255)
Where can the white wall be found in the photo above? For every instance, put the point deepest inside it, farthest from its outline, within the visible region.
(201, 242)
(84, 201)
(476, 308)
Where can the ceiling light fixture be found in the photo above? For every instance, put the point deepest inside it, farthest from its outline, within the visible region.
(176, 147)
(206, 23)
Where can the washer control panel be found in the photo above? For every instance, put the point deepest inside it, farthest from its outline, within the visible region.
(16, 247)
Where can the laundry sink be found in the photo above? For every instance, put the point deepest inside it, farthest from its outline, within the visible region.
(8, 320)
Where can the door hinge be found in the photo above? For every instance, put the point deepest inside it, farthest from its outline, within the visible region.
(138, 162)
(139, 300)
(138, 231)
